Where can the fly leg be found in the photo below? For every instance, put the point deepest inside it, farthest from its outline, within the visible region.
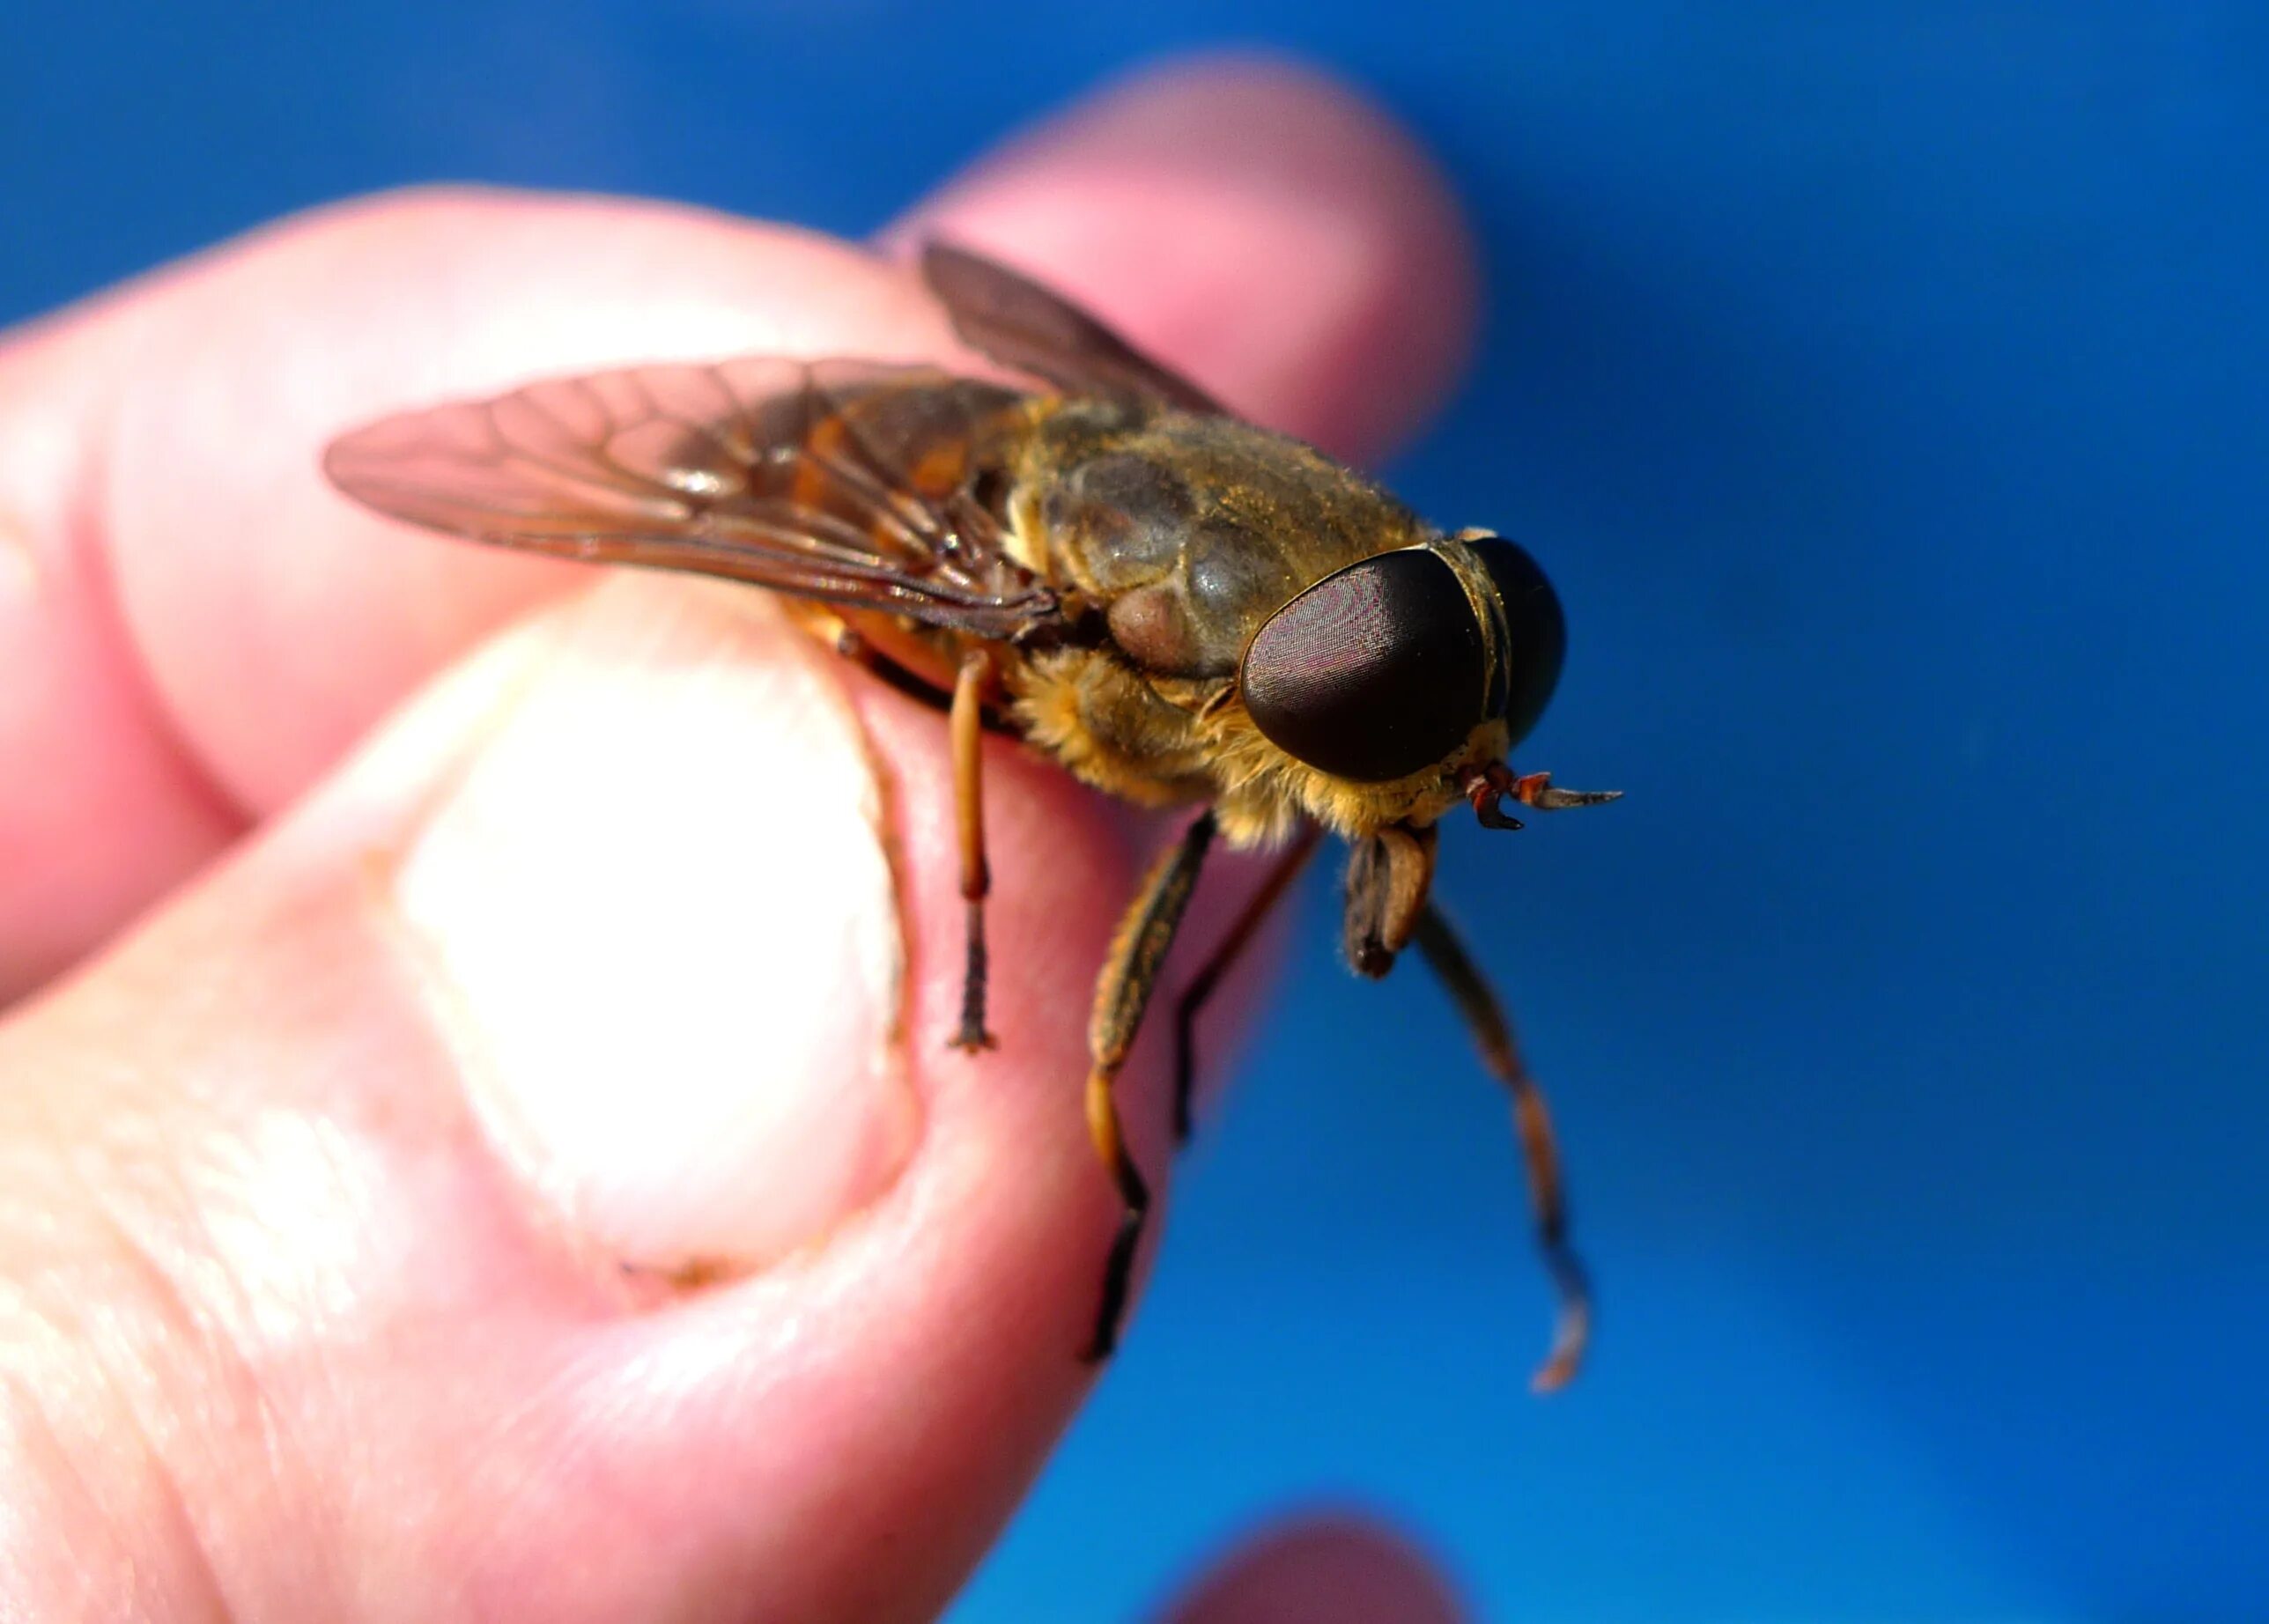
(1121, 993)
(1207, 980)
(966, 726)
(892, 664)
(1485, 1018)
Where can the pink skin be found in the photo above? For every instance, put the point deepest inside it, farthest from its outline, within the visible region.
(333, 1282)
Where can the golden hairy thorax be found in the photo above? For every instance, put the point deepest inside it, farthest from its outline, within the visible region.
(1185, 533)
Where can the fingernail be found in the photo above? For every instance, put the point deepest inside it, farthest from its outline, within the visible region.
(658, 907)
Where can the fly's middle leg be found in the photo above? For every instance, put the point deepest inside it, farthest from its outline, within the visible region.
(1225, 957)
(1121, 993)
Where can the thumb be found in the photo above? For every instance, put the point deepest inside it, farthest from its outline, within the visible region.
(547, 1131)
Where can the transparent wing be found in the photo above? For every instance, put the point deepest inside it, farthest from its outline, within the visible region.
(847, 482)
(1025, 326)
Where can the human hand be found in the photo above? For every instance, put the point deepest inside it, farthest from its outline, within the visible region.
(503, 1160)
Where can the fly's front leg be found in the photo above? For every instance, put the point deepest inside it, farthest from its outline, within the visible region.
(1121, 993)
(1493, 1034)
(1203, 984)
(966, 726)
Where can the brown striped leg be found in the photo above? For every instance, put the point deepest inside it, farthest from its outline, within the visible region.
(1485, 1019)
(1203, 987)
(966, 725)
(1121, 993)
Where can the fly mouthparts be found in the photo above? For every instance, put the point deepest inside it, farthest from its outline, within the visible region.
(1488, 788)
(1547, 797)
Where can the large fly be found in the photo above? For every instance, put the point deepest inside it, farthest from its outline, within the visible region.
(1178, 607)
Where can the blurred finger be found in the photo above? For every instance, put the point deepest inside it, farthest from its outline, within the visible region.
(1335, 1568)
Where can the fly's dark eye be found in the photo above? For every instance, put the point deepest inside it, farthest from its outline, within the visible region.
(1373, 673)
(1536, 633)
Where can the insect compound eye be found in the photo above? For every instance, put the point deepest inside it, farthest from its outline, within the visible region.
(1374, 673)
(1536, 632)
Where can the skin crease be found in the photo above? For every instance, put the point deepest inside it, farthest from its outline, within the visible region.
(294, 1325)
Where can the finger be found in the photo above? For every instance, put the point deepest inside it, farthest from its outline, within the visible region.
(1320, 279)
(201, 630)
(1322, 1570)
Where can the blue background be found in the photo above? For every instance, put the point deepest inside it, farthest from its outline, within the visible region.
(1884, 386)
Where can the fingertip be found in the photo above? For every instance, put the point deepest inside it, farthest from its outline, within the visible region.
(1329, 1568)
(1254, 220)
